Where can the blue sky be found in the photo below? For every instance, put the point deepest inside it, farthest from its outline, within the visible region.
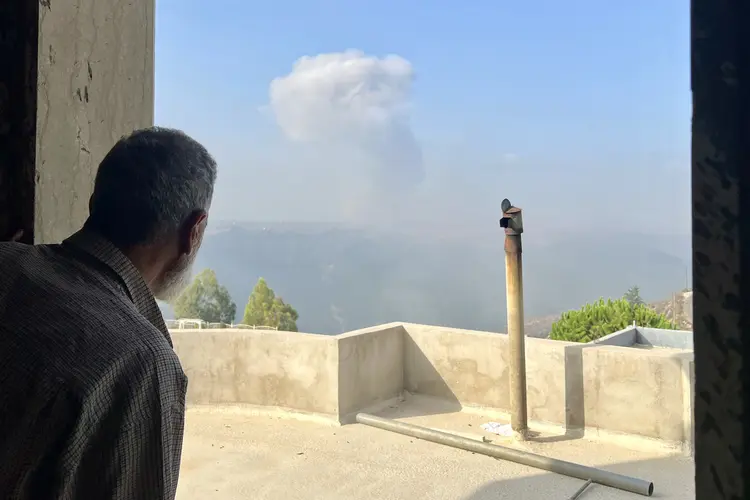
(581, 105)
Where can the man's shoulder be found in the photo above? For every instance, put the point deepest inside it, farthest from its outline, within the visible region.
(9, 248)
(92, 330)
(14, 248)
(77, 329)
(131, 370)
(12, 252)
(46, 291)
(31, 270)
(115, 333)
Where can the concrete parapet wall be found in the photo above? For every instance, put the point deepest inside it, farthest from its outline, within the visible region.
(636, 392)
(466, 366)
(625, 390)
(581, 386)
(644, 336)
(622, 338)
(472, 369)
(676, 339)
(266, 368)
(371, 367)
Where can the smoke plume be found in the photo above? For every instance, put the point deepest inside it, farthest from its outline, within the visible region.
(356, 108)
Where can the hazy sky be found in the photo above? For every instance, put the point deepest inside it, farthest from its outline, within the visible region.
(403, 112)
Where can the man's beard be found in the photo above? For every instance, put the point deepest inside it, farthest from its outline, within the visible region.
(176, 279)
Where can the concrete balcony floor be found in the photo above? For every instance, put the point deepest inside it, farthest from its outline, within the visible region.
(236, 453)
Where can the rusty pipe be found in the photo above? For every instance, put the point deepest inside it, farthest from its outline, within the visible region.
(516, 337)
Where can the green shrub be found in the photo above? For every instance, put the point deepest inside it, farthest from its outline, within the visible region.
(601, 318)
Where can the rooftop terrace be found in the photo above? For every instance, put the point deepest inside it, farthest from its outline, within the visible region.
(233, 453)
(267, 408)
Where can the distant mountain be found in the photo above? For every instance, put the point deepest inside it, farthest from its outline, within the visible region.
(343, 278)
(678, 308)
(540, 327)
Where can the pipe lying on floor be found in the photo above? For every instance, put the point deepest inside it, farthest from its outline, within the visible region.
(599, 476)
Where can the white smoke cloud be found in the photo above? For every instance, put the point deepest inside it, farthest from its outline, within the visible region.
(357, 107)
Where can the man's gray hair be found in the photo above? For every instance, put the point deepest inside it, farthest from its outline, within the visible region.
(148, 185)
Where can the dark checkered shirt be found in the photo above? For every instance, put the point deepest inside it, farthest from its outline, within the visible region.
(92, 395)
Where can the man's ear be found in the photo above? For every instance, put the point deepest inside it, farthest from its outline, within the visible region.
(192, 232)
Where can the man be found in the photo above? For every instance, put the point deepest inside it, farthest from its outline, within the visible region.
(92, 395)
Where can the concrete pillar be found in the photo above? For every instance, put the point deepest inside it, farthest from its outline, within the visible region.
(75, 75)
(721, 242)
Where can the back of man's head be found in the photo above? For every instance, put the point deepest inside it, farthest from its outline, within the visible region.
(151, 198)
(149, 185)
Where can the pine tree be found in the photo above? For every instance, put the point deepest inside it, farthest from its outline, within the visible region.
(264, 308)
(601, 318)
(633, 296)
(205, 299)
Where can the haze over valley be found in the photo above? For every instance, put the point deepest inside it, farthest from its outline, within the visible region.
(342, 278)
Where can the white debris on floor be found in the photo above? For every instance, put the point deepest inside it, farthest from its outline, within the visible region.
(496, 428)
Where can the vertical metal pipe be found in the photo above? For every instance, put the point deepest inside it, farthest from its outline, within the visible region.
(514, 298)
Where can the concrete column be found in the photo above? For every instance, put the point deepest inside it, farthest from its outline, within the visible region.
(721, 242)
(74, 77)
